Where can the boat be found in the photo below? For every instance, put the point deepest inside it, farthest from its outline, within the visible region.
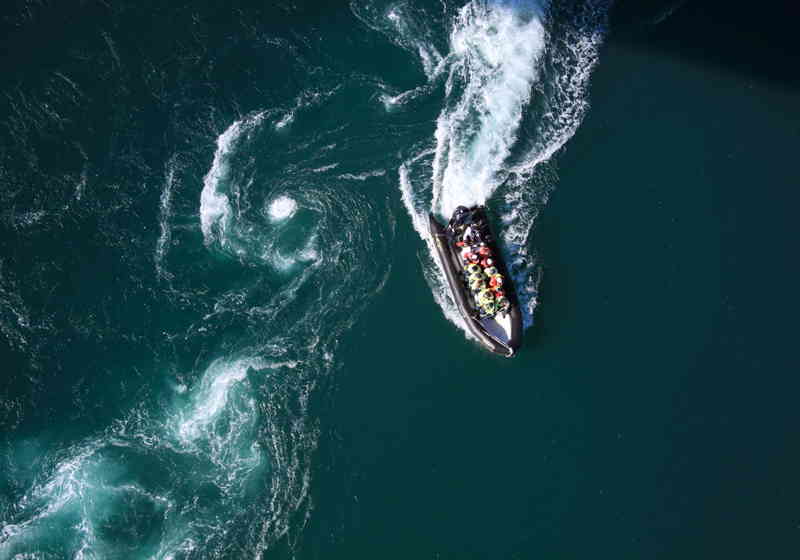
(497, 324)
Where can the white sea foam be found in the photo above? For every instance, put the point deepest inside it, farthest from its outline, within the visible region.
(307, 98)
(285, 262)
(324, 168)
(165, 214)
(362, 176)
(212, 395)
(407, 26)
(498, 52)
(282, 208)
(215, 209)
(412, 35)
(88, 482)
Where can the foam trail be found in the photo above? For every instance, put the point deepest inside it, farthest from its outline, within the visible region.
(407, 26)
(212, 397)
(501, 53)
(570, 62)
(496, 52)
(165, 214)
(214, 429)
(215, 207)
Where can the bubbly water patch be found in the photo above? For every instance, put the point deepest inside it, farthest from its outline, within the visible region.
(324, 168)
(165, 214)
(411, 37)
(569, 63)
(80, 503)
(307, 98)
(286, 120)
(212, 396)
(497, 48)
(221, 465)
(215, 209)
(392, 102)
(29, 219)
(282, 208)
(15, 319)
(406, 25)
(363, 176)
(95, 485)
(285, 261)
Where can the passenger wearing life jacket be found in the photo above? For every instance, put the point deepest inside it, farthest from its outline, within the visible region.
(473, 268)
(496, 281)
(486, 262)
(485, 296)
(484, 251)
(476, 283)
(489, 308)
(491, 271)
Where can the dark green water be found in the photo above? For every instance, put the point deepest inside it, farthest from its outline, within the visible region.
(223, 334)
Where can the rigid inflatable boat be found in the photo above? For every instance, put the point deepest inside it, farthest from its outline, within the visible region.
(478, 279)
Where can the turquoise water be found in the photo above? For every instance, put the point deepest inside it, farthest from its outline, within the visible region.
(224, 334)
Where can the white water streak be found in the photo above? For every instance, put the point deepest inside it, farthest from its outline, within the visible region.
(215, 207)
(498, 55)
(496, 51)
(165, 215)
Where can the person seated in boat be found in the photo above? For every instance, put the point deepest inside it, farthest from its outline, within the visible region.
(491, 271)
(486, 262)
(476, 284)
(485, 296)
(496, 281)
(484, 251)
(487, 302)
(476, 278)
(473, 271)
(489, 308)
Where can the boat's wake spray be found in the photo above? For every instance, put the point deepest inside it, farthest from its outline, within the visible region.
(515, 83)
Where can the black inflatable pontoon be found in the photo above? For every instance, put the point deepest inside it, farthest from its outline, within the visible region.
(502, 332)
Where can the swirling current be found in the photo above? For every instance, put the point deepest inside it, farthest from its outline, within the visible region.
(198, 204)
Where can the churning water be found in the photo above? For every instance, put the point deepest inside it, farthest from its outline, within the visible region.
(185, 247)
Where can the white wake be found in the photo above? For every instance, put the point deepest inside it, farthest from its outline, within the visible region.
(517, 75)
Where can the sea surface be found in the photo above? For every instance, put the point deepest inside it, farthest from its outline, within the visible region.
(223, 332)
